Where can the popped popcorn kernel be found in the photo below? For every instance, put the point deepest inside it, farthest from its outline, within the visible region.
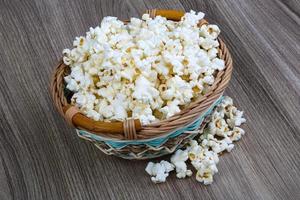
(159, 171)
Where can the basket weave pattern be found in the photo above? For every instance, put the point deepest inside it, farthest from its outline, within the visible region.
(132, 130)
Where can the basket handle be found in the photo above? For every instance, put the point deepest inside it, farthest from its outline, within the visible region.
(174, 15)
(128, 127)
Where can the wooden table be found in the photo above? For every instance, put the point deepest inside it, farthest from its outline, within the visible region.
(42, 158)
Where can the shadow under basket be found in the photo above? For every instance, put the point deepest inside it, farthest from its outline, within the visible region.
(130, 139)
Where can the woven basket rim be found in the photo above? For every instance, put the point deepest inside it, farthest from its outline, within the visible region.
(154, 137)
(156, 129)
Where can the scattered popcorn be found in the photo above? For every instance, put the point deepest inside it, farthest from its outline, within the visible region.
(146, 69)
(235, 117)
(236, 134)
(218, 136)
(178, 159)
(206, 176)
(159, 171)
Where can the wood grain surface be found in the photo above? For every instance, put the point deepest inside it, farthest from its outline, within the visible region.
(42, 158)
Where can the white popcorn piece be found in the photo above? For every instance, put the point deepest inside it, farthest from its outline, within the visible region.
(178, 160)
(104, 109)
(159, 171)
(205, 158)
(168, 166)
(217, 114)
(192, 18)
(208, 43)
(107, 93)
(210, 31)
(144, 90)
(120, 107)
(218, 126)
(171, 108)
(218, 64)
(194, 150)
(146, 17)
(235, 117)
(206, 177)
(67, 57)
(227, 101)
(237, 134)
(143, 112)
(93, 114)
(209, 79)
(213, 31)
(161, 68)
(72, 84)
(219, 145)
(182, 90)
(128, 73)
(212, 53)
(85, 100)
(179, 155)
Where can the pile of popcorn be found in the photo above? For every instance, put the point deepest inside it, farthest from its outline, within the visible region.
(146, 69)
(219, 135)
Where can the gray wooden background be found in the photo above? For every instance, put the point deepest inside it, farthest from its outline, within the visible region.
(42, 158)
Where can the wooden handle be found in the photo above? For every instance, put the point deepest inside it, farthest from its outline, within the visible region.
(174, 15)
(96, 126)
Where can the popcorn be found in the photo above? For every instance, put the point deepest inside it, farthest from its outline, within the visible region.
(216, 138)
(212, 53)
(85, 100)
(206, 176)
(192, 19)
(107, 93)
(72, 84)
(146, 17)
(144, 90)
(237, 134)
(104, 109)
(171, 108)
(159, 171)
(67, 56)
(120, 106)
(218, 126)
(128, 73)
(178, 159)
(210, 31)
(182, 91)
(235, 117)
(218, 64)
(208, 79)
(227, 101)
(203, 160)
(146, 69)
(208, 43)
(218, 146)
(93, 114)
(143, 112)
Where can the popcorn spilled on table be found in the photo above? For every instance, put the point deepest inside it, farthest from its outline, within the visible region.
(218, 136)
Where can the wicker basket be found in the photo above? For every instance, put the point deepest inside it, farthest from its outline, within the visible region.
(130, 139)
